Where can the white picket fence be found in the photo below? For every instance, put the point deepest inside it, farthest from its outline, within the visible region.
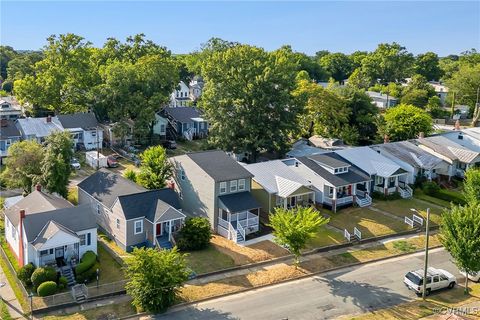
(418, 219)
(347, 235)
(357, 233)
(409, 221)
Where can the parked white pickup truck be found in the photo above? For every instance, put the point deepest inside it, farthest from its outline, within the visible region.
(436, 279)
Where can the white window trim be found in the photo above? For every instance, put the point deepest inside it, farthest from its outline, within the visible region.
(135, 226)
(233, 185)
(118, 223)
(84, 236)
(224, 188)
(241, 184)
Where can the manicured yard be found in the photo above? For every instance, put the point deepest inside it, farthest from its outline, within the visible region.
(208, 260)
(325, 237)
(401, 208)
(370, 223)
(419, 194)
(188, 146)
(110, 270)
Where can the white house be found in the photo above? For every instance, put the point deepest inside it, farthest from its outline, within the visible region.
(38, 128)
(84, 128)
(45, 229)
(382, 101)
(441, 90)
(10, 109)
(180, 97)
(160, 126)
(196, 88)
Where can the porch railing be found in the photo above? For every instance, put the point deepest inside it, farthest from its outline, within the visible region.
(342, 200)
(361, 193)
(231, 232)
(241, 230)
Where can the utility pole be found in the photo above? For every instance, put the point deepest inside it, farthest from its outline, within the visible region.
(425, 271)
(98, 152)
(476, 110)
(453, 104)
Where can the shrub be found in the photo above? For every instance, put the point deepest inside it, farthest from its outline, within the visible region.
(430, 188)
(88, 260)
(130, 175)
(450, 196)
(25, 273)
(195, 234)
(62, 283)
(47, 288)
(41, 275)
(88, 275)
(381, 196)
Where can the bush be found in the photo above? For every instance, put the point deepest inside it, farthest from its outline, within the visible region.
(41, 275)
(88, 275)
(62, 283)
(381, 196)
(430, 188)
(450, 196)
(195, 234)
(25, 274)
(88, 260)
(47, 288)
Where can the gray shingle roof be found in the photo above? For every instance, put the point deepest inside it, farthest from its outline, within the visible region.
(218, 165)
(330, 160)
(353, 175)
(49, 230)
(78, 120)
(8, 129)
(240, 201)
(184, 114)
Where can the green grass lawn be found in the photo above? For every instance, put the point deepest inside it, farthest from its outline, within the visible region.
(401, 208)
(419, 194)
(110, 270)
(188, 146)
(325, 237)
(370, 223)
(4, 314)
(208, 260)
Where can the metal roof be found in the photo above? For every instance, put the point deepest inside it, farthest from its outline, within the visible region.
(39, 127)
(240, 201)
(448, 148)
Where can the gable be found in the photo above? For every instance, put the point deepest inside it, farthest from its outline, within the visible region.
(58, 239)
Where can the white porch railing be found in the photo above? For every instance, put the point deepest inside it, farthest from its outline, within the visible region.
(338, 201)
(241, 230)
(460, 173)
(361, 193)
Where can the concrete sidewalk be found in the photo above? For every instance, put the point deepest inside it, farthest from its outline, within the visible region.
(6, 292)
(241, 272)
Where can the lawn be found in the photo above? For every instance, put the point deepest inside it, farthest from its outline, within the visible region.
(4, 314)
(208, 260)
(110, 270)
(188, 146)
(401, 208)
(370, 223)
(325, 237)
(111, 311)
(419, 194)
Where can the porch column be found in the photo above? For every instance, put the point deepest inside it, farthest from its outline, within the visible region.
(313, 197)
(396, 183)
(334, 199)
(169, 230)
(285, 203)
(385, 186)
(354, 192)
(369, 187)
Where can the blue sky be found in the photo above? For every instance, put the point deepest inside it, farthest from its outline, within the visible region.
(346, 26)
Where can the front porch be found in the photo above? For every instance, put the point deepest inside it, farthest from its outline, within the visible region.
(392, 184)
(236, 226)
(165, 227)
(294, 200)
(58, 256)
(347, 195)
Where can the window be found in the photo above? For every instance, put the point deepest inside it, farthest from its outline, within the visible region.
(279, 201)
(233, 185)
(223, 187)
(14, 233)
(118, 223)
(162, 128)
(89, 239)
(182, 174)
(98, 209)
(336, 170)
(241, 184)
(378, 180)
(138, 226)
(435, 279)
(93, 133)
(82, 239)
(44, 252)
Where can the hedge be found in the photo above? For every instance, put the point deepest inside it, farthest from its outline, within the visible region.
(62, 283)
(88, 275)
(41, 275)
(47, 288)
(88, 260)
(25, 273)
(381, 196)
(450, 196)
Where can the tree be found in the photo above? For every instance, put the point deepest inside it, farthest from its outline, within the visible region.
(130, 174)
(359, 80)
(362, 114)
(357, 58)
(293, 228)
(417, 92)
(460, 235)
(434, 107)
(325, 112)
(62, 79)
(22, 65)
(388, 63)
(23, 165)
(155, 168)
(392, 89)
(308, 64)
(154, 277)
(195, 234)
(427, 65)
(471, 186)
(247, 99)
(338, 65)
(405, 122)
(7, 54)
(466, 85)
(56, 166)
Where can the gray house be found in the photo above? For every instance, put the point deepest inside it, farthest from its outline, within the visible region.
(213, 185)
(186, 122)
(130, 214)
(9, 134)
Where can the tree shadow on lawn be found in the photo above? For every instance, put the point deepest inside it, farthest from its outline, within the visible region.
(195, 313)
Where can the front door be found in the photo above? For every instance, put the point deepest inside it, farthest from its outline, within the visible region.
(158, 230)
(59, 252)
(165, 228)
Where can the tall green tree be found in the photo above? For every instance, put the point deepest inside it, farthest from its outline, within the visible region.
(465, 83)
(155, 168)
(7, 54)
(405, 122)
(427, 65)
(460, 235)
(417, 92)
(295, 227)
(471, 186)
(55, 164)
(23, 165)
(154, 277)
(388, 63)
(63, 78)
(22, 65)
(338, 65)
(247, 99)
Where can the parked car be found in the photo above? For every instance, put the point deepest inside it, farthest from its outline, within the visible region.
(170, 144)
(436, 279)
(112, 162)
(75, 164)
(474, 276)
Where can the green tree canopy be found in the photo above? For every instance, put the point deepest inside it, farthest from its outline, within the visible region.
(155, 168)
(427, 65)
(460, 235)
(22, 65)
(293, 228)
(465, 83)
(154, 277)
(247, 99)
(471, 186)
(338, 65)
(405, 122)
(7, 54)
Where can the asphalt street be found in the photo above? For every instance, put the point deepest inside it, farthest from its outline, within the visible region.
(346, 291)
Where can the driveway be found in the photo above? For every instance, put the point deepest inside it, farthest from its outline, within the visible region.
(347, 291)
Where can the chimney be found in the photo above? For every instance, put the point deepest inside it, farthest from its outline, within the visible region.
(38, 187)
(457, 125)
(20, 239)
(421, 135)
(49, 119)
(171, 185)
(386, 139)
